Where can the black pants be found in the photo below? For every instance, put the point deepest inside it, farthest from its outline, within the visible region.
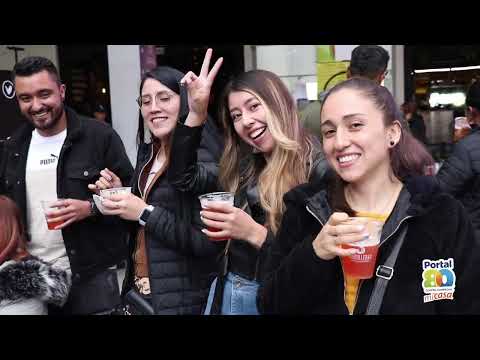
(99, 294)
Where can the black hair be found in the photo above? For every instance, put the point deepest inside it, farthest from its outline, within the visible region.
(473, 95)
(33, 65)
(169, 77)
(369, 61)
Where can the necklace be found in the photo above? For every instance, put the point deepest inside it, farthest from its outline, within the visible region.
(384, 209)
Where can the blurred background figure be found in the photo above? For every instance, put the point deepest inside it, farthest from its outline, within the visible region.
(459, 174)
(415, 120)
(100, 113)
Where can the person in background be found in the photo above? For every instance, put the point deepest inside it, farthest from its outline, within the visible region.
(415, 121)
(27, 284)
(100, 113)
(460, 173)
(367, 61)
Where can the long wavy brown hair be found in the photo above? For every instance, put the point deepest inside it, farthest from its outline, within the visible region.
(291, 160)
(12, 234)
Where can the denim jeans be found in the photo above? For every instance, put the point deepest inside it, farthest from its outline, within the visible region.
(239, 296)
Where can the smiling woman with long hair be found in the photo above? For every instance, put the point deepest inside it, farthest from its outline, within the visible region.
(378, 174)
(266, 154)
(27, 284)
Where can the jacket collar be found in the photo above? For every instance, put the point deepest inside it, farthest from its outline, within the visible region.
(75, 128)
(419, 195)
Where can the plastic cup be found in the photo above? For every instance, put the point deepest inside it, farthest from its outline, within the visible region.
(217, 197)
(107, 193)
(48, 205)
(362, 264)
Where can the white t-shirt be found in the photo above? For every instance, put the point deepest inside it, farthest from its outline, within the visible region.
(41, 184)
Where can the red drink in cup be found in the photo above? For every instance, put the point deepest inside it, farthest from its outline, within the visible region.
(362, 264)
(49, 205)
(218, 197)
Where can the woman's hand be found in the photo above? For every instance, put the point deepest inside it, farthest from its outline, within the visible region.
(107, 180)
(328, 242)
(198, 88)
(234, 223)
(127, 206)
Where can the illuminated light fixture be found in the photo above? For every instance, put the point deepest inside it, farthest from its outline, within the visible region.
(104, 91)
(432, 70)
(463, 68)
(312, 90)
(455, 99)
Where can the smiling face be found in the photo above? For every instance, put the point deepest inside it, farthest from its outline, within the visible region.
(40, 98)
(355, 139)
(249, 119)
(160, 107)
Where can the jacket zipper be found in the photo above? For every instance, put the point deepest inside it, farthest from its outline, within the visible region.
(141, 171)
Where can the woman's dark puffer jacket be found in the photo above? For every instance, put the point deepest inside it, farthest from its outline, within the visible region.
(182, 262)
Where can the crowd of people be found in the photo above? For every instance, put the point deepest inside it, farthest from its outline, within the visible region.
(72, 206)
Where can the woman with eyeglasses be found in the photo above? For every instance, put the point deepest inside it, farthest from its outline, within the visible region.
(171, 262)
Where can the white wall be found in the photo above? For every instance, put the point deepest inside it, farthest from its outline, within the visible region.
(124, 73)
(398, 73)
(297, 63)
(292, 63)
(7, 57)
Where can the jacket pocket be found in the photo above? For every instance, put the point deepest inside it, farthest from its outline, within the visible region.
(87, 173)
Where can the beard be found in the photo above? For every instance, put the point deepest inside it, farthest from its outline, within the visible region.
(52, 117)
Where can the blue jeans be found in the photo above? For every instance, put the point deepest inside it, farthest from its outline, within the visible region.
(239, 296)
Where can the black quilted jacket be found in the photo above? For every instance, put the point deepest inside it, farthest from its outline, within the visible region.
(182, 262)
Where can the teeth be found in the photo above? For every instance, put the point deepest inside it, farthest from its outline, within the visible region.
(257, 133)
(343, 159)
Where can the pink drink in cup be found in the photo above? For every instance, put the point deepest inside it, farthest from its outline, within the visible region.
(47, 205)
(362, 264)
(218, 197)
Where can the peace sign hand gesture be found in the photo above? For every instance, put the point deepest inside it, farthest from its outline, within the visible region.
(198, 88)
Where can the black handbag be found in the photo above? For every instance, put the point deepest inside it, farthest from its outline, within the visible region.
(135, 304)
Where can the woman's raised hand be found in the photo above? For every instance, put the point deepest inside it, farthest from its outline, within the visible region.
(198, 89)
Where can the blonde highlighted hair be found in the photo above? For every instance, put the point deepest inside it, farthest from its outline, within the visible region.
(291, 160)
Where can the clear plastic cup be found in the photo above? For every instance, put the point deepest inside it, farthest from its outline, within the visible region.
(362, 264)
(47, 206)
(106, 193)
(218, 197)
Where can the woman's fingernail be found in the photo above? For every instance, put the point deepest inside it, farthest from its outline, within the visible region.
(360, 227)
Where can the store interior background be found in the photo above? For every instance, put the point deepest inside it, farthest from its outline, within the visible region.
(107, 75)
